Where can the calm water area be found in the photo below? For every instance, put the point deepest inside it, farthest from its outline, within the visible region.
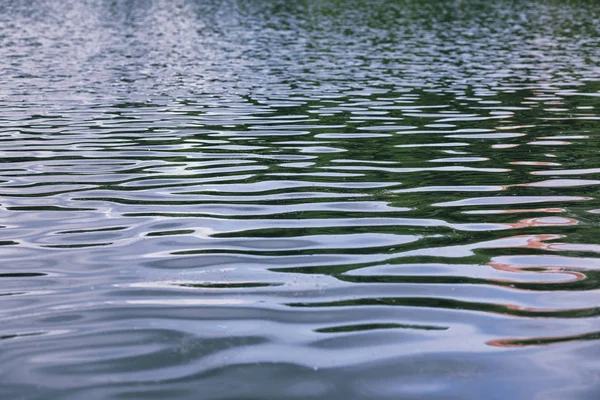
(308, 199)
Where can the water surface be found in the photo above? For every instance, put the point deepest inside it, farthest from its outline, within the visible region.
(266, 199)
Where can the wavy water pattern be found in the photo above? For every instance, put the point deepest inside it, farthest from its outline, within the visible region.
(261, 199)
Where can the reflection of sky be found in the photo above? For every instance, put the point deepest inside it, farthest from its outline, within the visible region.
(149, 49)
(253, 58)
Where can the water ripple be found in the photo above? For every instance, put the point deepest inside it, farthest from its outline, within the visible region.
(301, 200)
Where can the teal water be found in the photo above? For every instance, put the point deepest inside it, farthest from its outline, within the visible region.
(268, 199)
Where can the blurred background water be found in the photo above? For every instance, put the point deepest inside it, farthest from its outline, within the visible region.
(312, 199)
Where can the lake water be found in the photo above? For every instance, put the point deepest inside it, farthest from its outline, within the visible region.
(263, 199)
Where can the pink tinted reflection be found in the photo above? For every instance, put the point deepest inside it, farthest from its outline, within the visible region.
(546, 263)
(543, 221)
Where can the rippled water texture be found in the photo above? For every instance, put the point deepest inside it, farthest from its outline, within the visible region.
(256, 199)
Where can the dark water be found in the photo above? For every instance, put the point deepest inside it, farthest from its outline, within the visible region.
(299, 199)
